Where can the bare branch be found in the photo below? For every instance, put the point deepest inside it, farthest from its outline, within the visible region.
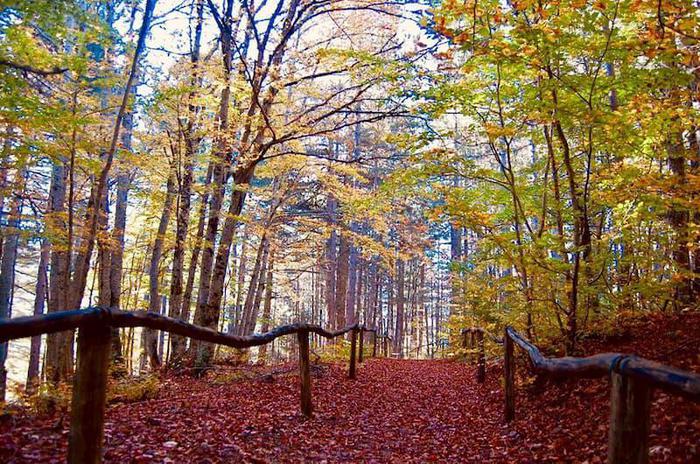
(32, 69)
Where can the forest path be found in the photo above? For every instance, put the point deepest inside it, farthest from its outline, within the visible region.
(396, 411)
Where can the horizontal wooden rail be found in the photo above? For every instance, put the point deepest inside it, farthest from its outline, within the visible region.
(90, 380)
(632, 382)
(668, 378)
(30, 326)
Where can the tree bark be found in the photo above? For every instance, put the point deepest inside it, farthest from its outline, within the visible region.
(240, 284)
(178, 344)
(695, 169)
(267, 307)
(220, 175)
(104, 255)
(40, 293)
(7, 268)
(209, 314)
(154, 303)
(117, 258)
(330, 267)
(196, 251)
(351, 298)
(249, 316)
(259, 291)
(679, 218)
(59, 346)
(341, 284)
(400, 304)
(456, 258)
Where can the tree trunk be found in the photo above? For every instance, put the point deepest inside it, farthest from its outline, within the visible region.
(59, 346)
(117, 258)
(389, 306)
(240, 284)
(331, 264)
(209, 314)
(267, 308)
(196, 250)
(695, 169)
(582, 232)
(154, 303)
(358, 295)
(7, 268)
(6, 146)
(248, 320)
(400, 303)
(220, 175)
(104, 255)
(341, 284)
(177, 300)
(40, 293)
(678, 218)
(456, 258)
(351, 298)
(64, 291)
(259, 291)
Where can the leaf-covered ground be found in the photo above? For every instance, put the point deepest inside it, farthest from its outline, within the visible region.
(395, 411)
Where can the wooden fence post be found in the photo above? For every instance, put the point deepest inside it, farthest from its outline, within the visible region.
(353, 347)
(464, 345)
(362, 345)
(630, 404)
(304, 374)
(89, 394)
(472, 345)
(509, 371)
(481, 369)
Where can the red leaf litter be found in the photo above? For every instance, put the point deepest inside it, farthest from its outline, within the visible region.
(399, 411)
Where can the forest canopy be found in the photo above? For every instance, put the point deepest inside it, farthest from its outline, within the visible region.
(413, 166)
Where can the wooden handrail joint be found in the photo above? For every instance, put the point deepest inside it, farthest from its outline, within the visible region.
(632, 381)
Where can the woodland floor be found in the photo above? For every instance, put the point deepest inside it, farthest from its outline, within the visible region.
(395, 411)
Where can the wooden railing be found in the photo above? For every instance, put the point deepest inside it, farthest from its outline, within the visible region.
(633, 380)
(94, 334)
